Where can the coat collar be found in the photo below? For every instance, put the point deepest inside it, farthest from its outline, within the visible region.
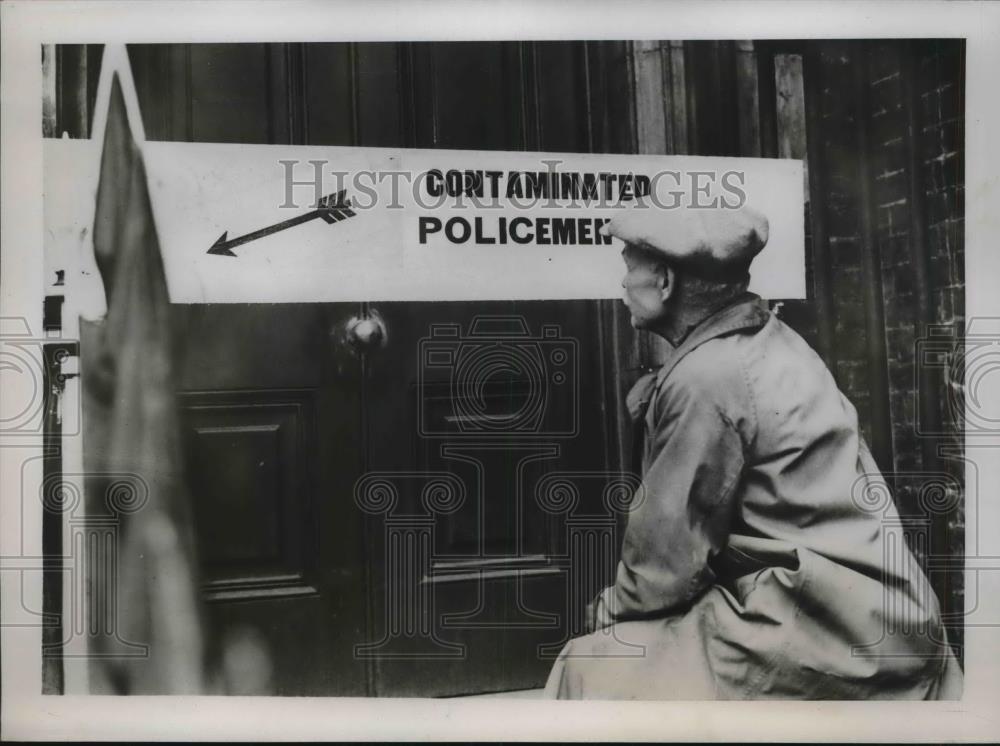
(748, 312)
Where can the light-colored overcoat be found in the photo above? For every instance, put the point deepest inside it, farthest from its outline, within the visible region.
(764, 556)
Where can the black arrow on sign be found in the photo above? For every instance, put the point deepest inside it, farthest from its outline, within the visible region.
(332, 208)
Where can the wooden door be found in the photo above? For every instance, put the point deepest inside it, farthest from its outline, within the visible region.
(271, 411)
(498, 517)
(478, 591)
(352, 509)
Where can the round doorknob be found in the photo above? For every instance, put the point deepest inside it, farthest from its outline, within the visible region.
(367, 332)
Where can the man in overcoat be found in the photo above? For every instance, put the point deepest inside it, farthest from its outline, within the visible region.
(762, 556)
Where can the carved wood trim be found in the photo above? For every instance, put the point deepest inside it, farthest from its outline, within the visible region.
(293, 571)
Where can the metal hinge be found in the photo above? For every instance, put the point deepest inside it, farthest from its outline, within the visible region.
(62, 362)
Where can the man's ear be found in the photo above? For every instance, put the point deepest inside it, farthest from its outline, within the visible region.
(669, 279)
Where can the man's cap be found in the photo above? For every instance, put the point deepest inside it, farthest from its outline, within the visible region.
(711, 242)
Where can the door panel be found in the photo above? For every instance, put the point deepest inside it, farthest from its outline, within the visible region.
(250, 454)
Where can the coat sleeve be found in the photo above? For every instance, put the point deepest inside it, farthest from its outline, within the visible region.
(682, 517)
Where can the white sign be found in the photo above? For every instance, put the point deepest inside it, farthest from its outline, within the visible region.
(271, 223)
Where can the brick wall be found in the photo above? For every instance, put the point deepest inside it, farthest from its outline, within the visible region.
(940, 139)
(839, 107)
(905, 156)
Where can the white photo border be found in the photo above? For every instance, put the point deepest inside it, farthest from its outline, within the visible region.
(27, 24)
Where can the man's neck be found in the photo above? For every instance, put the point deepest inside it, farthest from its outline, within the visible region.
(678, 325)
